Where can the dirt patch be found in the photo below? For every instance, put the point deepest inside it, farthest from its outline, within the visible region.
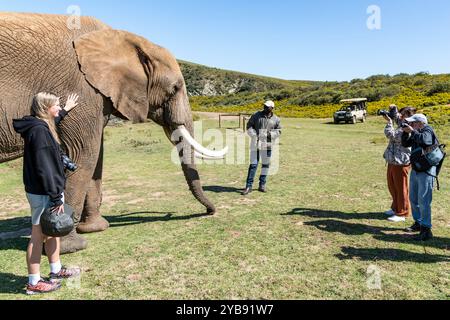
(136, 201)
(134, 277)
(158, 194)
(18, 164)
(131, 183)
(235, 234)
(10, 206)
(111, 197)
(249, 201)
(224, 207)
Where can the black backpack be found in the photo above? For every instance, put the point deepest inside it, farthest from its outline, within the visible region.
(423, 160)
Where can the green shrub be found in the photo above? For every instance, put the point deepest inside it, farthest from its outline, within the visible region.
(302, 99)
(443, 87)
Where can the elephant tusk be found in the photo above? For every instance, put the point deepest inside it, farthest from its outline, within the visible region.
(203, 157)
(199, 148)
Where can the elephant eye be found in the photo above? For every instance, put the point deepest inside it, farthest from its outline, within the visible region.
(176, 87)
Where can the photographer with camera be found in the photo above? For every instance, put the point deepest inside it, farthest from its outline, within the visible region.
(398, 160)
(420, 136)
(44, 179)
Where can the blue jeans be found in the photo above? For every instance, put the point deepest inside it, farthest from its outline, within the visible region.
(255, 157)
(421, 196)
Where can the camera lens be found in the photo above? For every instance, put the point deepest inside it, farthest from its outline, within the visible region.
(382, 113)
(68, 163)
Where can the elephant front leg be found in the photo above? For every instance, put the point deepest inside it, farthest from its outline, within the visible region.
(91, 219)
(75, 194)
(79, 187)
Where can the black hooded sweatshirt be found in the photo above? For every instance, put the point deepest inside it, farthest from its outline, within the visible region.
(43, 169)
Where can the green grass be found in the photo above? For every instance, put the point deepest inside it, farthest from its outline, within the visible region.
(314, 235)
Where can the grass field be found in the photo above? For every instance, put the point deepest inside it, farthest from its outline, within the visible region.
(318, 233)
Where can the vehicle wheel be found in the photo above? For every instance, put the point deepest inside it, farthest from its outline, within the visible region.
(354, 120)
(336, 121)
(363, 119)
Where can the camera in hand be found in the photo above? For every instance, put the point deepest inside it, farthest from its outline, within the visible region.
(383, 113)
(405, 124)
(68, 163)
(392, 113)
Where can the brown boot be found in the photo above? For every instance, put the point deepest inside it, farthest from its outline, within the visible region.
(73, 242)
(246, 191)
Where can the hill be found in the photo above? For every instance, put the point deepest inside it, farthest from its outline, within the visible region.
(212, 87)
(206, 81)
(216, 90)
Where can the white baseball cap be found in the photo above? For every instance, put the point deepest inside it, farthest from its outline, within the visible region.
(270, 104)
(418, 118)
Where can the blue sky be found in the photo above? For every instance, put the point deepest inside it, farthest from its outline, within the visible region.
(289, 39)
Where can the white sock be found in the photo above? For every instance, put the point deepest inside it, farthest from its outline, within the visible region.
(55, 267)
(33, 279)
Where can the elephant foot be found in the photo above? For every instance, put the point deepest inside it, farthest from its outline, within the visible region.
(72, 243)
(94, 224)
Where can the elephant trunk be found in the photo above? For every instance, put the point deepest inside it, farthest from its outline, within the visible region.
(187, 155)
(193, 181)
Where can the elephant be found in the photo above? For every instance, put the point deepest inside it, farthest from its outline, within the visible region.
(115, 73)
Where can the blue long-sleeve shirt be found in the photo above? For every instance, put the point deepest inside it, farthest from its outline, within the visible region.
(423, 139)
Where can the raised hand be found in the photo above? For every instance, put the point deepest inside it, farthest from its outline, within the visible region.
(71, 102)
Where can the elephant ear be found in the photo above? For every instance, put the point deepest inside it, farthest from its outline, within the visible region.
(114, 63)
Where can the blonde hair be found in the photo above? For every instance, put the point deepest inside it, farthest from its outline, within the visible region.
(39, 109)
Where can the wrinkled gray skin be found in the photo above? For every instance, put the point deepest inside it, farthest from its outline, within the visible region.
(114, 72)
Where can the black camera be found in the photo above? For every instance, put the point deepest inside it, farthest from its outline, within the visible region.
(392, 113)
(68, 163)
(383, 113)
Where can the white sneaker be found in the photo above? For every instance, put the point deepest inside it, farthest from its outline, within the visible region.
(390, 213)
(397, 219)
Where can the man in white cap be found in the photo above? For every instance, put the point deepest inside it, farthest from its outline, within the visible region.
(419, 136)
(264, 128)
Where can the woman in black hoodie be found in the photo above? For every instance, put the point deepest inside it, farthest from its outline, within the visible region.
(44, 179)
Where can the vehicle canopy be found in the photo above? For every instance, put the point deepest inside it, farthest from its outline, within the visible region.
(353, 104)
(357, 100)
